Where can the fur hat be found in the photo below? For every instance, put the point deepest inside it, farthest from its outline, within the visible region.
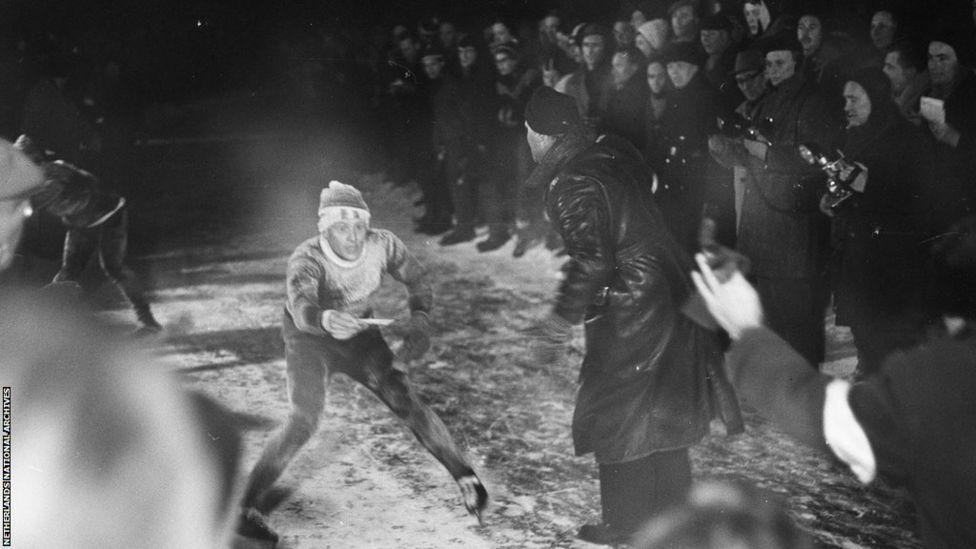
(550, 112)
(340, 202)
(19, 177)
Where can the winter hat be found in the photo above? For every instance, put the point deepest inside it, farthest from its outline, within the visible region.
(749, 60)
(781, 41)
(468, 41)
(689, 52)
(655, 31)
(960, 41)
(878, 87)
(432, 50)
(507, 48)
(594, 29)
(716, 22)
(652, 9)
(341, 202)
(693, 4)
(19, 177)
(550, 112)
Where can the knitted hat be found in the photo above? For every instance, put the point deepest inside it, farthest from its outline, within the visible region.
(550, 112)
(689, 52)
(19, 177)
(654, 31)
(341, 202)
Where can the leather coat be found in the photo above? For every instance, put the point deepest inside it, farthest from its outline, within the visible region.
(651, 379)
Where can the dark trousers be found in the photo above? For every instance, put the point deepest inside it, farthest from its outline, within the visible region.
(469, 174)
(109, 243)
(366, 358)
(633, 492)
(795, 309)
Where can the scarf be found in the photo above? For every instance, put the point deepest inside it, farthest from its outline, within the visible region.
(565, 148)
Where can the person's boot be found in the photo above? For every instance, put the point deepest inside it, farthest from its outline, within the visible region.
(254, 525)
(474, 494)
(458, 235)
(494, 241)
(149, 325)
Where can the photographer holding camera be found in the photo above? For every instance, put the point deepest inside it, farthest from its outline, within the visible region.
(878, 232)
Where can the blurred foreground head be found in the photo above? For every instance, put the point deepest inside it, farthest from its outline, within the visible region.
(724, 516)
(19, 178)
(108, 452)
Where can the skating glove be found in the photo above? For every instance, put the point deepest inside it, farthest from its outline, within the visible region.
(416, 340)
(550, 337)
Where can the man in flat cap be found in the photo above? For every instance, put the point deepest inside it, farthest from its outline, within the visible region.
(651, 379)
(781, 229)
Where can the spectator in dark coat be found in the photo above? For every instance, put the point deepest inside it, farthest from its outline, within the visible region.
(513, 87)
(441, 90)
(651, 379)
(716, 40)
(590, 85)
(880, 275)
(477, 108)
(659, 87)
(914, 421)
(689, 177)
(781, 230)
(952, 126)
(906, 69)
(625, 108)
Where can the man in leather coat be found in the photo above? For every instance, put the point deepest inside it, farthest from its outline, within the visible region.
(651, 380)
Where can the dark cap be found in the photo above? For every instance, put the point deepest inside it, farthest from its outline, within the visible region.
(716, 22)
(432, 50)
(507, 48)
(550, 112)
(749, 60)
(652, 9)
(689, 52)
(593, 29)
(781, 41)
(469, 41)
(693, 4)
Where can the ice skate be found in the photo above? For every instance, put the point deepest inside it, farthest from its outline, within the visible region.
(474, 494)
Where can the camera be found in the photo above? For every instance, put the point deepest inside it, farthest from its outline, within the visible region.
(840, 172)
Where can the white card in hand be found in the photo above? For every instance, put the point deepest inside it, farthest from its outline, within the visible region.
(932, 109)
(377, 321)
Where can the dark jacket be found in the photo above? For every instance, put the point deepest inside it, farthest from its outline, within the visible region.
(880, 232)
(625, 111)
(953, 193)
(918, 415)
(651, 379)
(689, 177)
(591, 90)
(781, 229)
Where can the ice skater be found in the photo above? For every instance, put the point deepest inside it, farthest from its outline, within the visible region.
(328, 328)
(97, 223)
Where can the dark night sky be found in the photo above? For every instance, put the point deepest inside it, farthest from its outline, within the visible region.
(182, 45)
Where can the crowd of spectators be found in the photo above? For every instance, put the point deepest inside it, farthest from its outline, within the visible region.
(718, 96)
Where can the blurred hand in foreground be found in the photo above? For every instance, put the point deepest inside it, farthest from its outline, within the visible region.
(734, 303)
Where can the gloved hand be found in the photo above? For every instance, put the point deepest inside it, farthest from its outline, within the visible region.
(341, 325)
(416, 341)
(550, 337)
